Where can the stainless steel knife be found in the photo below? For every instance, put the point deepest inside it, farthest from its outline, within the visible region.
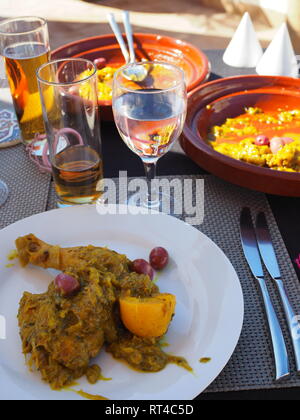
(268, 254)
(252, 255)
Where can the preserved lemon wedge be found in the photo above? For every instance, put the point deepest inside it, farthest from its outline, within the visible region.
(148, 317)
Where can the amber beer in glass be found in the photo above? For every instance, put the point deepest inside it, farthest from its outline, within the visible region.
(24, 44)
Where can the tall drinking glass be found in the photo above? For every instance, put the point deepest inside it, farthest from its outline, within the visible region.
(68, 90)
(150, 116)
(24, 44)
(4, 191)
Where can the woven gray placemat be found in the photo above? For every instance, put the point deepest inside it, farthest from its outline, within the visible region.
(28, 187)
(251, 366)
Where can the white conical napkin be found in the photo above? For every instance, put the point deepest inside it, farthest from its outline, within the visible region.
(279, 59)
(244, 50)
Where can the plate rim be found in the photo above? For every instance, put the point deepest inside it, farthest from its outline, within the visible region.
(202, 77)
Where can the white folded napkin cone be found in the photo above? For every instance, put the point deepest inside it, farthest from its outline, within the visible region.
(279, 59)
(244, 50)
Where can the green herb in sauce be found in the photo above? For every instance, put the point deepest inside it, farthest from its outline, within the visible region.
(94, 374)
(12, 255)
(90, 396)
(84, 394)
(205, 360)
(163, 343)
(180, 361)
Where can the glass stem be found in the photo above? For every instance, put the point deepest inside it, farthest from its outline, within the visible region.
(152, 193)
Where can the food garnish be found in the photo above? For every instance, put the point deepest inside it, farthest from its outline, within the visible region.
(205, 360)
(9, 265)
(148, 317)
(105, 80)
(12, 255)
(266, 139)
(66, 284)
(141, 266)
(88, 396)
(100, 63)
(262, 141)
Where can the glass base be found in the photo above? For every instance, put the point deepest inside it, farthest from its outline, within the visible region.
(4, 192)
(162, 203)
(76, 202)
(62, 204)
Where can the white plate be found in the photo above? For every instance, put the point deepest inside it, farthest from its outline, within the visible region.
(207, 323)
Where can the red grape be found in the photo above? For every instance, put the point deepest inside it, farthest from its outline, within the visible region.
(143, 267)
(74, 90)
(159, 258)
(100, 63)
(66, 284)
(262, 141)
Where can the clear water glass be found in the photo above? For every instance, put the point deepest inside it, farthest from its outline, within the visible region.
(150, 116)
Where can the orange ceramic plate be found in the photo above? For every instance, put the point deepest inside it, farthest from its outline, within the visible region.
(227, 98)
(149, 46)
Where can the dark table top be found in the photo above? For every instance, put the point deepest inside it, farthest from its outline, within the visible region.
(117, 157)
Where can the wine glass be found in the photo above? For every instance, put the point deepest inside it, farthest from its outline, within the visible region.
(150, 116)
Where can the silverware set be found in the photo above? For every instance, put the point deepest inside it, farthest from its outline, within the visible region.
(135, 72)
(257, 245)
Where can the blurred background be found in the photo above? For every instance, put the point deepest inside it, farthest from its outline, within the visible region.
(209, 24)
